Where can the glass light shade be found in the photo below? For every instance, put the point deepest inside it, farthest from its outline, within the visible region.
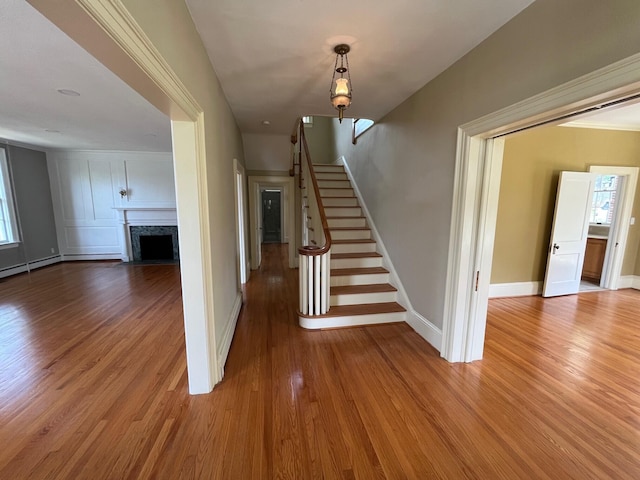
(341, 101)
(342, 86)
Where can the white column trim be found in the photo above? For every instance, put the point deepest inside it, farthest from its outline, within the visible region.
(191, 188)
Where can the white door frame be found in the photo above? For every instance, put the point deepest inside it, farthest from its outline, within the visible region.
(475, 202)
(282, 208)
(617, 242)
(256, 183)
(241, 221)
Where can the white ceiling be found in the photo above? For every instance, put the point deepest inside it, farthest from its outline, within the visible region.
(622, 117)
(274, 60)
(37, 59)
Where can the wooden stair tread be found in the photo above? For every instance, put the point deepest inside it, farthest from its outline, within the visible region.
(364, 309)
(352, 241)
(356, 289)
(337, 272)
(338, 256)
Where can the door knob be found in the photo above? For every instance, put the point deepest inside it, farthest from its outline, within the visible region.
(555, 247)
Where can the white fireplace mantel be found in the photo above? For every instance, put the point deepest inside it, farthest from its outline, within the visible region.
(143, 216)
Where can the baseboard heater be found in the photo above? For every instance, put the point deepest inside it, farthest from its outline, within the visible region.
(25, 267)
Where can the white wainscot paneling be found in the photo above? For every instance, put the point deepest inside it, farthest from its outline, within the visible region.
(106, 239)
(150, 183)
(72, 188)
(103, 179)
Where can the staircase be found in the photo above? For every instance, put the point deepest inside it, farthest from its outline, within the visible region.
(360, 292)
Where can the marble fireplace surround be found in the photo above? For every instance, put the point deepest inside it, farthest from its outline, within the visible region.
(160, 221)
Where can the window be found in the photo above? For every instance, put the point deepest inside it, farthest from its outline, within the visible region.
(8, 227)
(359, 126)
(604, 199)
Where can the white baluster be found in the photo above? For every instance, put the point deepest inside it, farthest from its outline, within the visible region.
(323, 285)
(303, 285)
(316, 284)
(310, 284)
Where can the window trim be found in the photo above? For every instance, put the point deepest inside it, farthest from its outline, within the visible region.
(7, 202)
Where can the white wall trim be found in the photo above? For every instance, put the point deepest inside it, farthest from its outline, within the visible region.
(424, 328)
(227, 336)
(25, 267)
(420, 324)
(517, 289)
(70, 257)
(629, 281)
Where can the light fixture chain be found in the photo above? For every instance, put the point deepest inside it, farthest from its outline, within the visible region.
(349, 73)
(333, 78)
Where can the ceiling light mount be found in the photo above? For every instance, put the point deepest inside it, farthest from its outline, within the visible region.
(68, 92)
(340, 89)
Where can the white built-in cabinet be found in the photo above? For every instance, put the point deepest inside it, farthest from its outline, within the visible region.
(89, 208)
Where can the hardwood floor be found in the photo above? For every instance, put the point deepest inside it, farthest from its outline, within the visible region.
(93, 385)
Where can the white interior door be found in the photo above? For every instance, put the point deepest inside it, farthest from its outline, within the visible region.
(569, 233)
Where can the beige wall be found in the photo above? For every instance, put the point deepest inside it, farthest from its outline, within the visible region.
(404, 166)
(267, 153)
(320, 139)
(531, 167)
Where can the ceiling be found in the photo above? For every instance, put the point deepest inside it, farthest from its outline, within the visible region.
(108, 114)
(274, 60)
(621, 117)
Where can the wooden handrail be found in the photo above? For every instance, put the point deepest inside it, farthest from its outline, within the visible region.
(312, 250)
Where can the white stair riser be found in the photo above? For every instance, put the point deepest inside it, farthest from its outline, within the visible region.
(350, 234)
(331, 176)
(335, 192)
(328, 168)
(340, 202)
(367, 279)
(361, 298)
(352, 247)
(356, 262)
(351, 320)
(334, 184)
(346, 222)
(343, 211)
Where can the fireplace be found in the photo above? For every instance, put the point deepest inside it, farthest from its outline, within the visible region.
(154, 243)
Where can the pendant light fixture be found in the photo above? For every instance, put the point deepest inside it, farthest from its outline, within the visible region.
(340, 84)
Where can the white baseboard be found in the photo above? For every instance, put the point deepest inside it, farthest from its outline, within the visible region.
(629, 281)
(71, 257)
(25, 267)
(425, 328)
(519, 289)
(227, 336)
(420, 324)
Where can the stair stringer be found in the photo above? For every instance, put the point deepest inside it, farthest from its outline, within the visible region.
(419, 323)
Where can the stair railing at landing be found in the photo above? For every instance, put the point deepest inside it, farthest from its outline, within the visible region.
(315, 254)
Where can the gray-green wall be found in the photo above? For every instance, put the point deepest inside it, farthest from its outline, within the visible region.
(404, 166)
(320, 139)
(34, 208)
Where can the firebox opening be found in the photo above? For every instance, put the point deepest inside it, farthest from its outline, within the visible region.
(156, 247)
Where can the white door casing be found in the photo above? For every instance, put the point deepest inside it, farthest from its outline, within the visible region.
(609, 84)
(569, 234)
(617, 241)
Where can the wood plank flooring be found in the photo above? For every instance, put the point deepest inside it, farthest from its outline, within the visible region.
(93, 385)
